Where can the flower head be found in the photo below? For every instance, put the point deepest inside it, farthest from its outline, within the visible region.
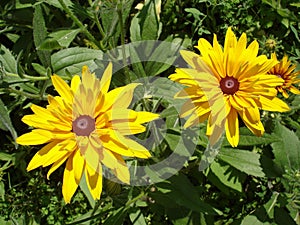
(285, 70)
(225, 84)
(86, 126)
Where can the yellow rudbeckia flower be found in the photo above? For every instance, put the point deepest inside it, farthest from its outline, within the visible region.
(86, 126)
(224, 84)
(285, 70)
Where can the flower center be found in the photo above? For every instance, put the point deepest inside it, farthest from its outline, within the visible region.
(83, 125)
(229, 85)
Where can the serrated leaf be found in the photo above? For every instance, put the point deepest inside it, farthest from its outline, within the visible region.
(7, 60)
(39, 34)
(222, 172)
(5, 122)
(59, 39)
(245, 161)
(72, 60)
(286, 151)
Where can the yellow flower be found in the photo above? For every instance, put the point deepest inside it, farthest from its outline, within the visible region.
(224, 84)
(86, 126)
(285, 70)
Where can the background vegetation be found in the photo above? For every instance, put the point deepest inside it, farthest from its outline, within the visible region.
(256, 183)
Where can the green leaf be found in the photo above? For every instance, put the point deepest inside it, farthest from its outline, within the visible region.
(180, 190)
(145, 25)
(245, 161)
(59, 39)
(39, 68)
(39, 35)
(117, 217)
(5, 122)
(225, 176)
(252, 220)
(295, 4)
(5, 156)
(286, 151)
(137, 64)
(56, 3)
(295, 32)
(281, 216)
(7, 60)
(72, 60)
(137, 217)
(162, 57)
(110, 18)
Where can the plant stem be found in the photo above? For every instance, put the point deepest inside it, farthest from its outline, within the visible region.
(79, 24)
(129, 202)
(120, 15)
(28, 95)
(33, 78)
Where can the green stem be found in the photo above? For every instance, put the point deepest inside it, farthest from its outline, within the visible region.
(101, 31)
(120, 15)
(129, 202)
(28, 95)
(79, 24)
(33, 78)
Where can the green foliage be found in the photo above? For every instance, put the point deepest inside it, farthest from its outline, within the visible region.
(256, 183)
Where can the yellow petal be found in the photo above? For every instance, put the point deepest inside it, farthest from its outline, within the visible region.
(49, 154)
(122, 145)
(232, 128)
(273, 104)
(37, 122)
(255, 128)
(90, 148)
(36, 160)
(94, 180)
(35, 137)
(230, 41)
(294, 90)
(62, 88)
(57, 164)
(69, 182)
(124, 98)
(195, 61)
(88, 79)
(75, 82)
(78, 165)
(144, 117)
(106, 78)
(41, 112)
(121, 170)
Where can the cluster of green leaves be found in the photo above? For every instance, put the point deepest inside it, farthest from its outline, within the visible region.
(256, 183)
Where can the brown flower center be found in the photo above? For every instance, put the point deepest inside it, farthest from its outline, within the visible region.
(229, 85)
(83, 125)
